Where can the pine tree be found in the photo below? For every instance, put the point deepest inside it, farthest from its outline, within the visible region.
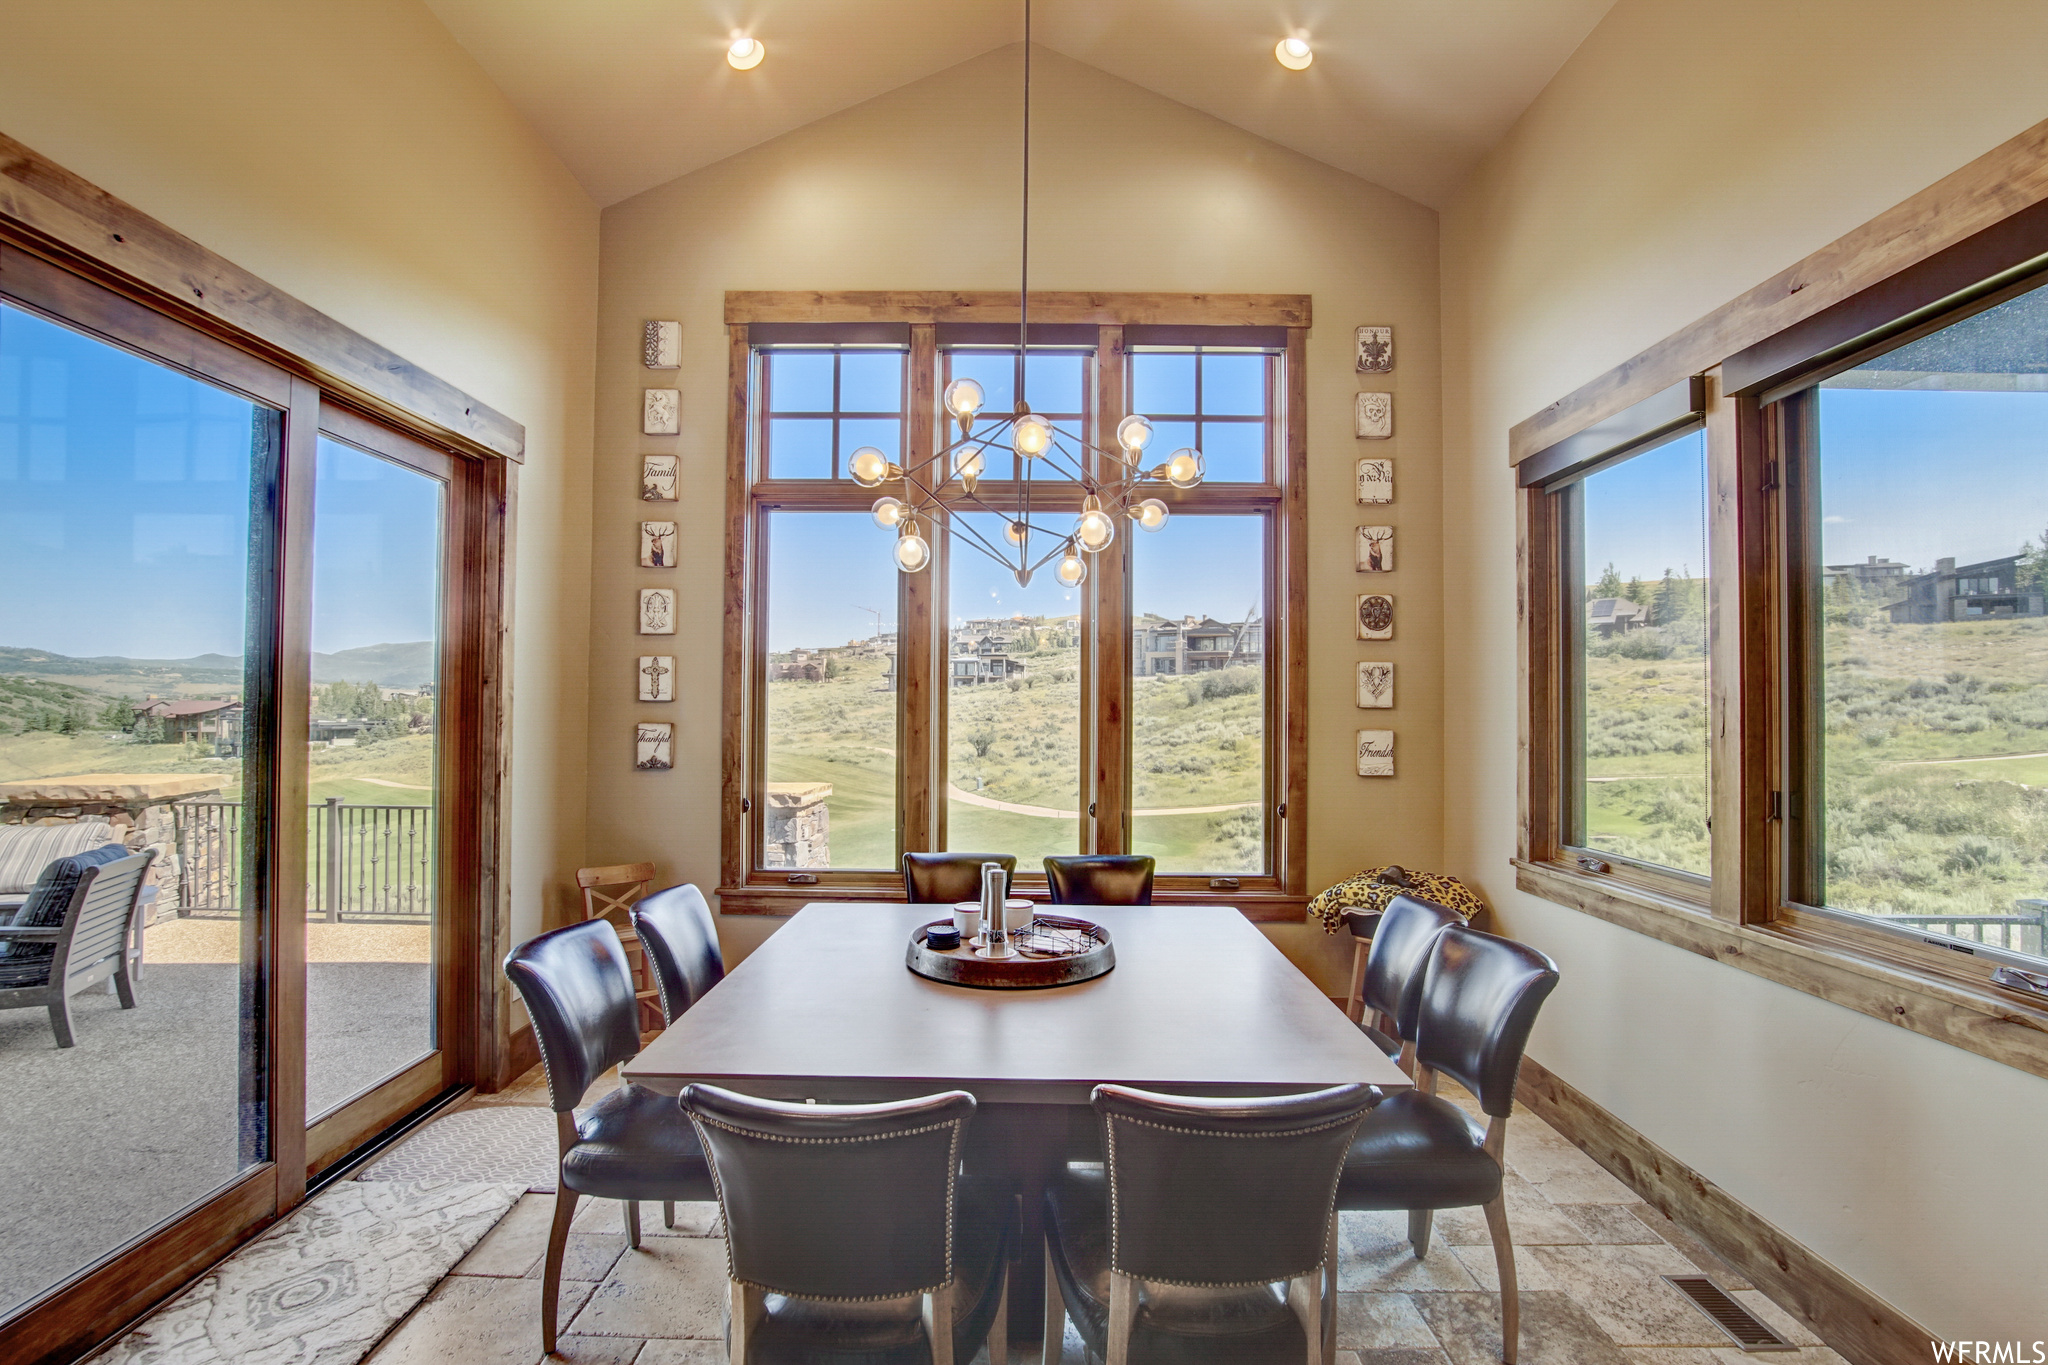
(1609, 584)
(1635, 592)
(1668, 607)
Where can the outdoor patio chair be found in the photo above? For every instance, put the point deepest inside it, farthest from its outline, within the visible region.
(73, 933)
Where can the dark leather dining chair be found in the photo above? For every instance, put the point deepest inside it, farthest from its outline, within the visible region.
(1387, 984)
(1480, 996)
(1100, 879)
(1172, 1250)
(943, 878)
(680, 940)
(851, 1235)
(632, 1144)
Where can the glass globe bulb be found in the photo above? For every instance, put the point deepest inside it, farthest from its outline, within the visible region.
(1184, 470)
(1294, 53)
(968, 463)
(1150, 514)
(1073, 570)
(888, 512)
(912, 552)
(1031, 436)
(746, 53)
(1134, 433)
(964, 397)
(1015, 532)
(1094, 528)
(868, 466)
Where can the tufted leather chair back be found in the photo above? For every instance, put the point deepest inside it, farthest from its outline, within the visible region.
(1395, 964)
(681, 942)
(1480, 996)
(835, 1201)
(943, 878)
(1223, 1192)
(1100, 879)
(578, 991)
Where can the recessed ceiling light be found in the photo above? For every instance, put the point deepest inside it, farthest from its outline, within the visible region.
(1293, 52)
(746, 53)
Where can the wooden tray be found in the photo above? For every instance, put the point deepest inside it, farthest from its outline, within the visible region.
(1026, 971)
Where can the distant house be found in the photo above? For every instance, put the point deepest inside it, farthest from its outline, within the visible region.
(217, 722)
(1612, 616)
(803, 665)
(1871, 573)
(1163, 648)
(1988, 588)
(982, 659)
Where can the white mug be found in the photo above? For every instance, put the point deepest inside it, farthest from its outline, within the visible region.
(967, 919)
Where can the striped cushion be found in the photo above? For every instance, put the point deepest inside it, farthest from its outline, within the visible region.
(25, 850)
(51, 900)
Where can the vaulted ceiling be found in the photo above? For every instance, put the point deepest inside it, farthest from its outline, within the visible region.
(1405, 93)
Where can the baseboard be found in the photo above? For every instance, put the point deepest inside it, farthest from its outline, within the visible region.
(1855, 1322)
(520, 1055)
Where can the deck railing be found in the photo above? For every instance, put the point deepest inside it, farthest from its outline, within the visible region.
(2026, 932)
(363, 862)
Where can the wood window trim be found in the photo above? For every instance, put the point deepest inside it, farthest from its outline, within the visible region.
(1274, 896)
(1950, 249)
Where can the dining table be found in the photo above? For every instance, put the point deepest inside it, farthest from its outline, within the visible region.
(1198, 1003)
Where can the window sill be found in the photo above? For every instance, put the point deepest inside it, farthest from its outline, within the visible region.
(1258, 906)
(1988, 1021)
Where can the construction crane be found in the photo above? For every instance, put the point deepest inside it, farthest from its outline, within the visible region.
(878, 620)
(1237, 640)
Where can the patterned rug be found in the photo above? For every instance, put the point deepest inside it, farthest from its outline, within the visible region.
(325, 1285)
(490, 1143)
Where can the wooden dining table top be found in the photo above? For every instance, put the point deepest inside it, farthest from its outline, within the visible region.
(1199, 1003)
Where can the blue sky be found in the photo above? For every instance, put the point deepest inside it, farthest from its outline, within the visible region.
(124, 509)
(1648, 514)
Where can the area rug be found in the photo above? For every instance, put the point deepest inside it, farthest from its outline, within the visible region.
(491, 1143)
(324, 1286)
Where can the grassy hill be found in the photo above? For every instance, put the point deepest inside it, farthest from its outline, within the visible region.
(390, 665)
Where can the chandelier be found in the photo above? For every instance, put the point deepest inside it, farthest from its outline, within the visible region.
(944, 486)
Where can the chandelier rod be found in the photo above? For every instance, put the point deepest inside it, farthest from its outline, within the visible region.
(1024, 266)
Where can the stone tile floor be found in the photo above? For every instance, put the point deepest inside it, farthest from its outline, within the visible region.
(1588, 1252)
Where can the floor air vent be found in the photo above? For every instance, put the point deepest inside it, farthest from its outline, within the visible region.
(1742, 1326)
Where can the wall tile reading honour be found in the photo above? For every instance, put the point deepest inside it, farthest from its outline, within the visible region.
(1375, 616)
(1376, 685)
(1375, 350)
(657, 478)
(653, 745)
(657, 676)
(1375, 753)
(661, 411)
(1375, 480)
(657, 611)
(657, 545)
(662, 346)
(1375, 549)
(1373, 416)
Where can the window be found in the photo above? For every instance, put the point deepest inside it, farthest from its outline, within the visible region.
(876, 712)
(1920, 705)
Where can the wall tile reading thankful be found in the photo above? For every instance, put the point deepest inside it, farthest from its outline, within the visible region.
(1375, 549)
(1375, 616)
(1376, 685)
(657, 478)
(653, 745)
(1375, 753)
(657, 545)
(661, 412)
(662, 346)
(1375, 480)
(1375, 350)
(657, 611)
(1374, 416)
(657, 676)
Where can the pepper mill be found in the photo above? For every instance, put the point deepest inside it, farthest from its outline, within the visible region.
(995, 927)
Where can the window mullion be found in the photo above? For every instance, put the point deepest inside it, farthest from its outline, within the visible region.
(1106, 663)
(921, 690)
(1740, 627)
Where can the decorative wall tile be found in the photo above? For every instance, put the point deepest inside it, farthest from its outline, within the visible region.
(1373, 416)
(1375, 480)
(657, 611)
(1375, 753)
(653, 745)
(657, 674)
(1375, 616)
(661, 411)
(657, 545)
(1375, 350)
(662, 346)
(1376, 685)
(1375, 549)
(657, 478)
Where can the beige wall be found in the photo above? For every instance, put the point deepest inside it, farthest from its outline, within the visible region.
(350, 153)
(1679, 158)
(1130, 192)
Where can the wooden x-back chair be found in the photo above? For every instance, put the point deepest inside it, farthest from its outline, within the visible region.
(616, 889)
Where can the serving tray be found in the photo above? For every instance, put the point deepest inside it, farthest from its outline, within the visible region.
(1053, 950)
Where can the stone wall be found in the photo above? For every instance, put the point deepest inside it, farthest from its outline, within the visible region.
(798, 825)
(136, 806)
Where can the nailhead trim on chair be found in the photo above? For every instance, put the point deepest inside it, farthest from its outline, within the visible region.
(959, 1127)
(1109, 1136)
